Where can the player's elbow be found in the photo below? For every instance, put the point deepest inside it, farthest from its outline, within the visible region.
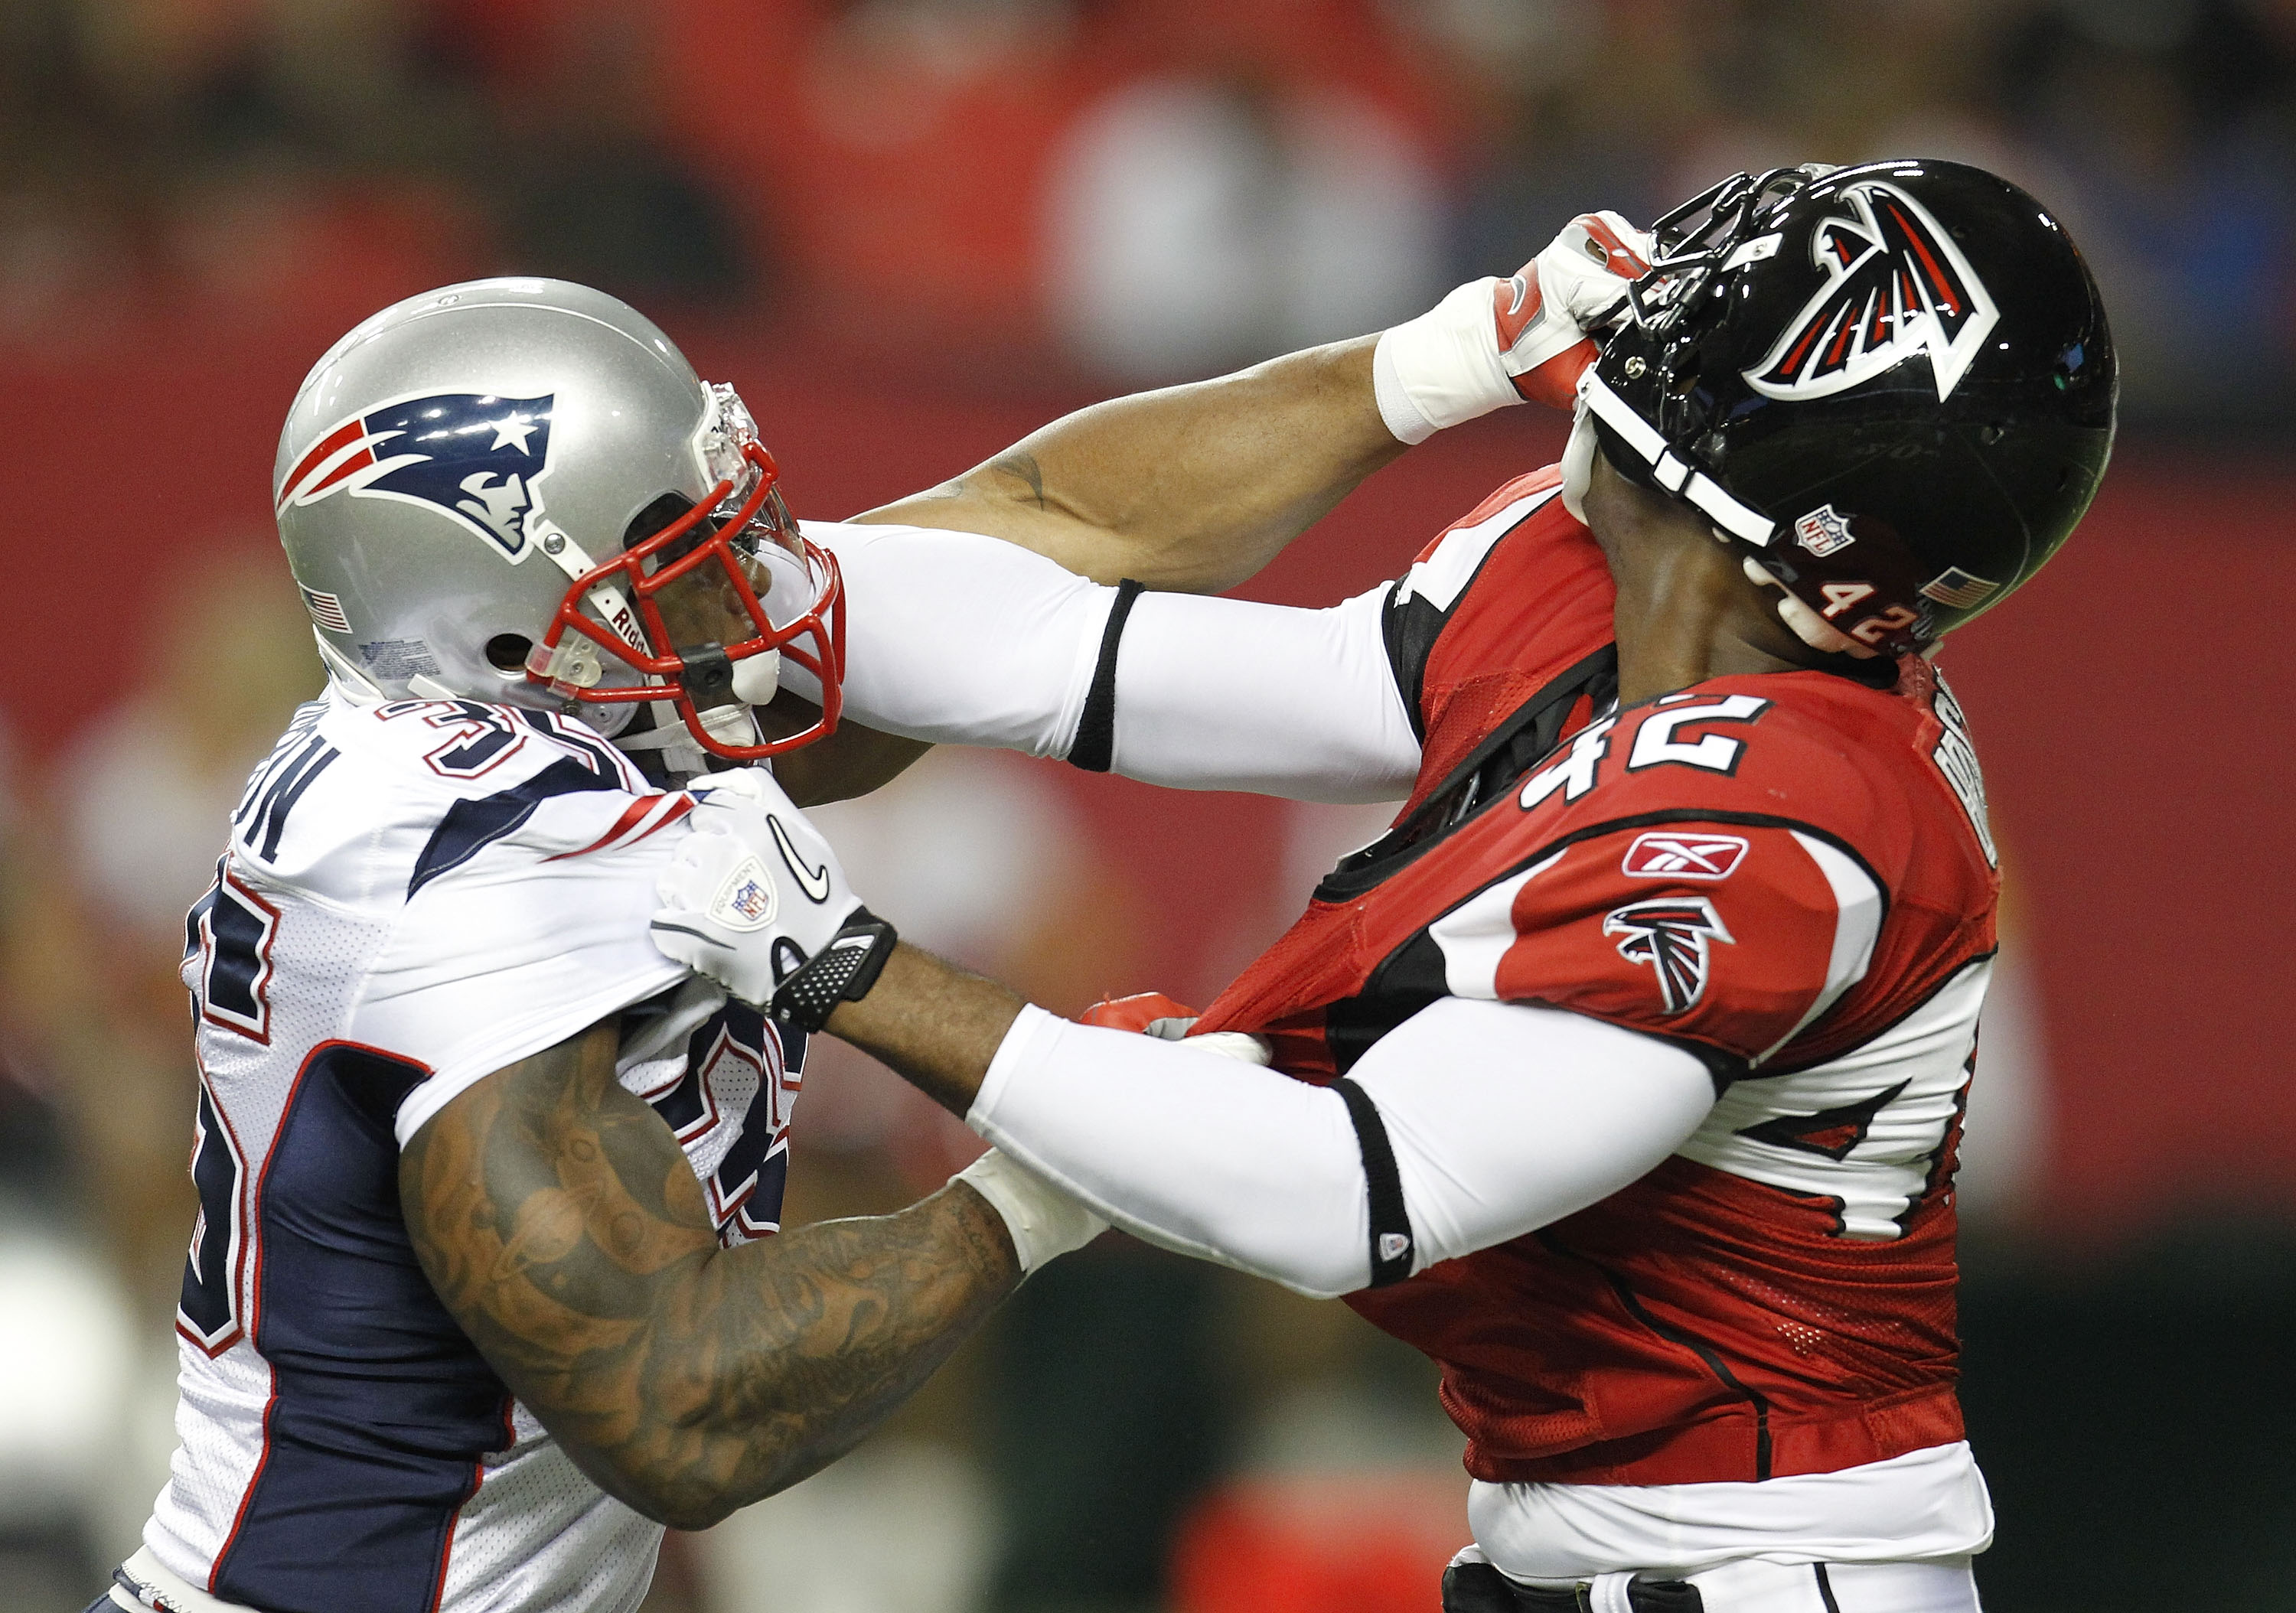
(691, 1514)
(1325, 1275)
(683, 1501)
(699, 1486)
(1315, 1267)
(1321, 1287)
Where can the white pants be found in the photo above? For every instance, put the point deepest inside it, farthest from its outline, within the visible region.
(1752, 1586)
(1839, 1587)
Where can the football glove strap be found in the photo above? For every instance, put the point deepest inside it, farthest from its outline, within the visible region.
(1525, 338)
(842, 972)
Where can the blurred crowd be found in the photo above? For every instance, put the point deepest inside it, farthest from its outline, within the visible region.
(985, 192)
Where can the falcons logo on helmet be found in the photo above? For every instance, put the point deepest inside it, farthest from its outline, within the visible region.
(1895, 285)
(1672, 935)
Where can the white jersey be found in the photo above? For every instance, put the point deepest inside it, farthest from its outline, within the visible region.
(415, 895)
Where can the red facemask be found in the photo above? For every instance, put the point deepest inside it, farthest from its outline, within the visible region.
(699, 548)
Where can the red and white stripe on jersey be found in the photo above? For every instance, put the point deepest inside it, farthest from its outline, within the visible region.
(641, 817)
(1447, 566)
(1741, 961)
(1867, 1129)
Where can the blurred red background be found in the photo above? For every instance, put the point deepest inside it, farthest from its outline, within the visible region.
(2134, 721)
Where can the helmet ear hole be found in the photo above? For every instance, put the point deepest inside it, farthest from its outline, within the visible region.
(506, 652)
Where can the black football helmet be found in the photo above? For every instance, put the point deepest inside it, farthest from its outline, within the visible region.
(1893, 384)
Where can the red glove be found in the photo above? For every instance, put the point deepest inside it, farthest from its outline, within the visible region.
(1154, 1014)
(1149, 1013)
(1576, 284)
(1494, 342)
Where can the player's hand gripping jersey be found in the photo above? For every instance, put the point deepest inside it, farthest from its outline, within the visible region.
(415, 896)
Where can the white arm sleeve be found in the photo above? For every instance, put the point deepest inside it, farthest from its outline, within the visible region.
(1502, 1116)
(965, 640)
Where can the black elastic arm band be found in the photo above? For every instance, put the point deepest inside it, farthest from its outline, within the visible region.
(1095, 748)
(842, 972)
(1390, 1221)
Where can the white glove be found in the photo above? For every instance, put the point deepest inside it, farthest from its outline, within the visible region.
(755, 900)
(1241, 1045)
(1494, 342)
(1044, 1221)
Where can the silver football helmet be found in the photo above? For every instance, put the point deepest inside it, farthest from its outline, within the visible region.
(519, 491)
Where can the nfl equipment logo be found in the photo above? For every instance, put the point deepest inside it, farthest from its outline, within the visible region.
(1824, 531)
(745, 901)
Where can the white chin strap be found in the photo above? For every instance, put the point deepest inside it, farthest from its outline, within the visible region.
(1579, 461)
(1670, 472)
(728, 724)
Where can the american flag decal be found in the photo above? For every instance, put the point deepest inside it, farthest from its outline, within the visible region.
(326, 610)
(1961, 590)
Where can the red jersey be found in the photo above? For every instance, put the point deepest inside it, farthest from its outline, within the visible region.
(1787, 874)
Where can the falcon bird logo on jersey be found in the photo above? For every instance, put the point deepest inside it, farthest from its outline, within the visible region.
(472, 456)
(1672, 935)
(1895, 285)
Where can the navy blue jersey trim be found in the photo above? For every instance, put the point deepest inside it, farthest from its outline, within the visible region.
(381, 1410)
(471, 825)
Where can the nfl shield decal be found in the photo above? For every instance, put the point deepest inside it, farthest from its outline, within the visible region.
(474, 457)
(1824, 531)
(1895, 285)
(745, 900)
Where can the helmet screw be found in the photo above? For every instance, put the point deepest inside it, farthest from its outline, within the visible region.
(1633, 368)
(553, 543)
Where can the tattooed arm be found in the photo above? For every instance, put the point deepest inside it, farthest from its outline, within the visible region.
(557, 1218)
(1191, 489)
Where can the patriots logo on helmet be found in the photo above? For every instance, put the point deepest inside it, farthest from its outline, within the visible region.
(1895, 285)
(472, 456)
(1672, 935)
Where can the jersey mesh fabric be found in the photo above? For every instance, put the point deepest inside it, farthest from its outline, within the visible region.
(413, 895)
(1777, 1299)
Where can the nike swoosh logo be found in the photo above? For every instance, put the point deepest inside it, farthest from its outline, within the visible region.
(813, 881)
